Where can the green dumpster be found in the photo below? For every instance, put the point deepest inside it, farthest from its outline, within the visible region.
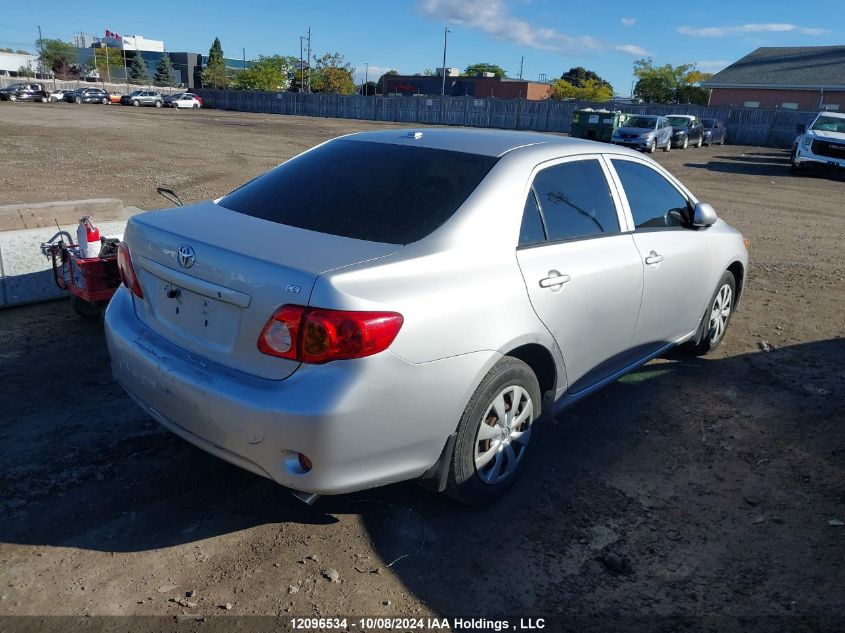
(596, 125)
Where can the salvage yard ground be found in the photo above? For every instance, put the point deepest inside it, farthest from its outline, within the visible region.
(694, 486)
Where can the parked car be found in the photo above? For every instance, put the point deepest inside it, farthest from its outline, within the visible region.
(644, 131)
(25, 92)
(182, 100)
(686, 130)
(339, 338)
(88, 95)
(714, 131)
(820, 144)
(58, 95)
(143, 98)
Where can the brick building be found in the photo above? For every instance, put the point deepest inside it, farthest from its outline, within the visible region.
(795, 78)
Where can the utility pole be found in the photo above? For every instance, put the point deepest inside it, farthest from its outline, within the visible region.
(41, 55)
(301, 67)
(445, 41)
(243, 50)
(366, 76)
(309, 61)
(521, 62)
(108, 70)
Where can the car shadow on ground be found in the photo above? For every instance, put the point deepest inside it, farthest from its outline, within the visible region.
(639, 492)
(760, 163)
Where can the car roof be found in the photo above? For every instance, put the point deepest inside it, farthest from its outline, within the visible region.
(838, 115)
(680, 116)
(476, 141)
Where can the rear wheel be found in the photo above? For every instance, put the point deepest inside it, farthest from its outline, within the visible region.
(104, 100)
(136, 103)
(43, 99)
(718, 315)
(494, 434)
(78, 100)
(158, 104)
(195, 106)
(86, 310)
(13, 98)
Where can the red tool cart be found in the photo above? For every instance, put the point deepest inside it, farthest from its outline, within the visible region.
(91, 281)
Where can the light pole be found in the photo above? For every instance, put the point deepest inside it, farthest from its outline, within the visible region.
(445, 41)
(366, 77)
(301, 68)
(243, 50)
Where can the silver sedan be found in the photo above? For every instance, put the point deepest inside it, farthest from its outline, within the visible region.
(409, 304)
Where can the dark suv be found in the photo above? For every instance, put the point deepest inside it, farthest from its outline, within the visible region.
(25, 92)
(686, 130)
(88, 95)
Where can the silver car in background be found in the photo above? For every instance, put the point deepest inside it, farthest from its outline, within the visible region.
(646, 132)
(403, 305)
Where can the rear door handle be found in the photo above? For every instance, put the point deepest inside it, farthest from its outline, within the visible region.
(554, 280)
(654, 258)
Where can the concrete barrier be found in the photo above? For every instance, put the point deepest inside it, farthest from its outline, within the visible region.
(26, 273)
(46, 214)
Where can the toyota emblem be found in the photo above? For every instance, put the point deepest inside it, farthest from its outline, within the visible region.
(185, 256)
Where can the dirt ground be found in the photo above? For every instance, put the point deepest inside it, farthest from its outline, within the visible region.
(710, 487)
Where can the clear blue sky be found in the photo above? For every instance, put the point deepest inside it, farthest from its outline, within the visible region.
(553, 35)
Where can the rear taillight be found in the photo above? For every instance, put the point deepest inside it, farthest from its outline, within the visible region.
(315, 335)
(127, 271)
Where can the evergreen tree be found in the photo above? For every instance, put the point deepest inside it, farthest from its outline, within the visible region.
(138, 72)
(214, 75)
(164, 71)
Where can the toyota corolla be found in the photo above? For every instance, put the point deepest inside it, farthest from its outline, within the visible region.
(401, 305)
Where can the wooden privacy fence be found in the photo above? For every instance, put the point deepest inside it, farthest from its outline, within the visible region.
(746, 126)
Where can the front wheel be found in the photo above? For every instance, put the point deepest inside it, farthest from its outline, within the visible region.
(653, 147)
(196, 106)
(699, 143)
(494, 434)
(685, 144)
(13, 98)
(136, 103)
(78, 100)
(718, 315)
(44, 99)
(668, 145)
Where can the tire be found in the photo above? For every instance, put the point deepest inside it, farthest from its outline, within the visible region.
(653, 147)
(668, 147)
(86, 310)
(196, 106)
(136, 103)
(13, 98)
(700, 143)
(78, 100)
(158, 104)
(43, 99)
(716, 324)
(104, 101)
(505, 446)
(685, 144)
(722, 141)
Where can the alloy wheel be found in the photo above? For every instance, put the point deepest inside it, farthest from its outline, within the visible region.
(720, 312)
(686, 143)
(503, 435)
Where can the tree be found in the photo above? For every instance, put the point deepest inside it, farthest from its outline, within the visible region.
(579, 76)
(26, 71)
(59, 57)
(590, 90)
(668, 84)
(369, 88)
(428, 72)
(214, 75)
(271, 74)
(106, 61)
(332, 74)
(164, 71)
(138, 71)
(380, 84)
(483, 67)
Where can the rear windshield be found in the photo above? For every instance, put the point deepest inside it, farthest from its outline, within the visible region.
(369, 191)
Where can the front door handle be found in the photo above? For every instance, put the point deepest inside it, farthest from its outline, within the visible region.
(654, 258)
(555, 280)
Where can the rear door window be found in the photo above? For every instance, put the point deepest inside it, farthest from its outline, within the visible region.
(575, 200)
(378, 192)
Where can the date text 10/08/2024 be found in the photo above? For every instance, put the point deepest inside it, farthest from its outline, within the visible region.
(418, 624)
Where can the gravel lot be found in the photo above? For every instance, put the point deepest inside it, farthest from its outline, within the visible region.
(701, 487)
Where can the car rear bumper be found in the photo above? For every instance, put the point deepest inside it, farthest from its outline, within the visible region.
(362, 423)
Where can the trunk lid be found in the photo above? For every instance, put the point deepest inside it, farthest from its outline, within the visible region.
(242, 269)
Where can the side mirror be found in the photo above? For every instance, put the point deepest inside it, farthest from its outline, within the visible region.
(800, 128)
(170, 195)
(704, 215)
